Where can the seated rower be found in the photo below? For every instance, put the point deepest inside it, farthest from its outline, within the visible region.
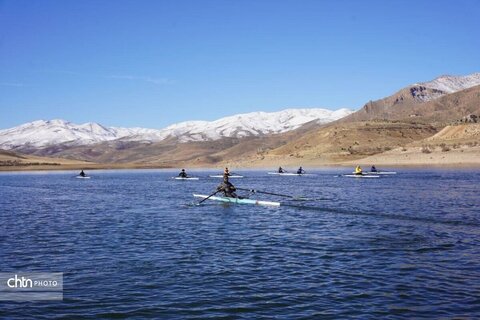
(358, 170)
(226, 172)
(227, 188)
(373, 169)
(280, 170)
(300, 170)
(183, 174)
(82, 174)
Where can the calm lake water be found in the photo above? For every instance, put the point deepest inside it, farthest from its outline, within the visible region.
(131, 244)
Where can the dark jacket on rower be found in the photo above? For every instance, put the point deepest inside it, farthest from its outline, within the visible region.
(82, 174)
(280, 170)
(373, 169)
(227, 188)
(182, 174)
(300, 170)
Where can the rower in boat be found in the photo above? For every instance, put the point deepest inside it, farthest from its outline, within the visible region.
(226, 172)
(280, 170)
(82, 174)
(227, 187)
(183, 174)
(300, 171)
(373, 169)
(358, 170)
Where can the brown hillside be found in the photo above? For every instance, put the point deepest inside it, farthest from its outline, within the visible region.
(406, 107)
(341, 141)
(15, 161)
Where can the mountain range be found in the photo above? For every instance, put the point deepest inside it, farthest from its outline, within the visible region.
(406, 119)
(39, 134)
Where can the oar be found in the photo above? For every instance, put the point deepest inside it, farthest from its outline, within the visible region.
(271, 193)
(210, 196)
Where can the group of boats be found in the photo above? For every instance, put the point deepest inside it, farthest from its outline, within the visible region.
(358, 173)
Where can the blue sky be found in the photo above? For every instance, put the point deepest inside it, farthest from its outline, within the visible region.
(153, 63)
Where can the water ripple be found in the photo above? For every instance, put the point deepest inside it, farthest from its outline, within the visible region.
(131, 245)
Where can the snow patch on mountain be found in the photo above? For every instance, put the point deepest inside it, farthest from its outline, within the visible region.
(251, 124)
(43, 133)
(451, 84)
(431, 90)
(38, 134)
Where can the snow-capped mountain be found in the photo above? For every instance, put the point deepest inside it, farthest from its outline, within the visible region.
(53, 132)
(451, 84)
(38, 134)
(427, 91)
(250, 124)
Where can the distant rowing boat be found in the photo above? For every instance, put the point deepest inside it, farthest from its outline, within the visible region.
(381, 172)
(80, 177)
(289, 174)
(238, 200)
(221, 176)
(185, 178)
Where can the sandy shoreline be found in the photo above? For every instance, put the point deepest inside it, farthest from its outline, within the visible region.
(410, 157)
(307, 165)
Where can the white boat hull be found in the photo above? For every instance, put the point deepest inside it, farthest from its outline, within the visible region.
(381, 172)
(238, 200)
(289, 174)
(183, 178)
(80, 177)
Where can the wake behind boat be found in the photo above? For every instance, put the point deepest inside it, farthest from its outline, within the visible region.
(237, 200)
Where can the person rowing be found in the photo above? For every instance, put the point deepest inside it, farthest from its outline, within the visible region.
(82, 174)
(226, 172)
(280, 170)
(300, 171)
(358, 170)
(227, 187)
(183, 174)
(373, 169)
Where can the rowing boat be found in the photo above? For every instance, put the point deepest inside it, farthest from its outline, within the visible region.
(289, 174)
(238, 200)
(360, 176)
(80, 177)
(381, 172)
(221, 176)
(185, 178)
